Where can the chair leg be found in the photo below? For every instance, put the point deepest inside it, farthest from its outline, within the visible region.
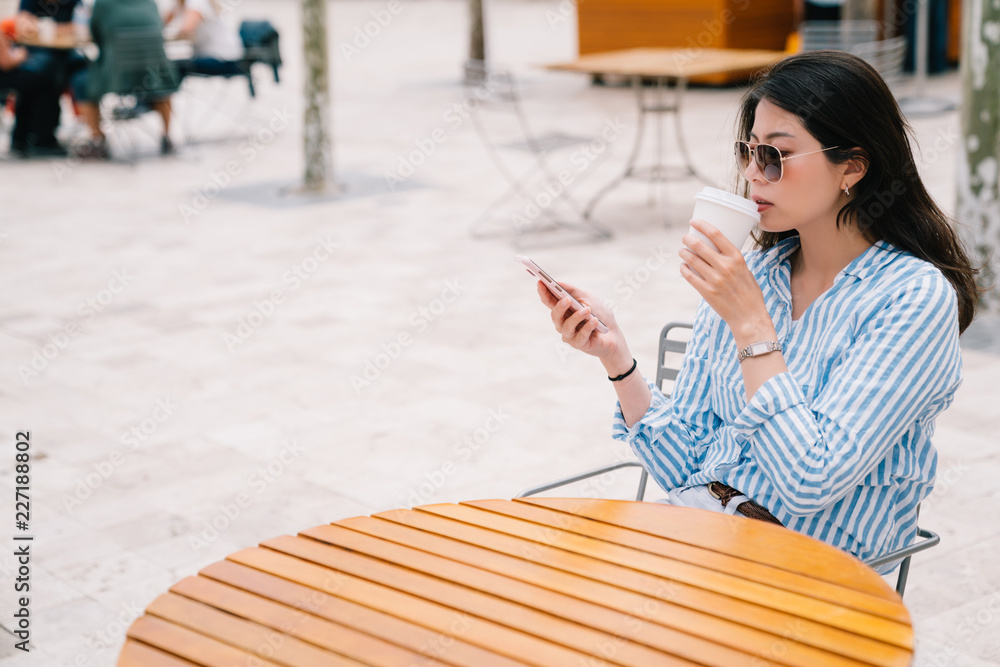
(253, 93)
(904, 571)
(642, 485)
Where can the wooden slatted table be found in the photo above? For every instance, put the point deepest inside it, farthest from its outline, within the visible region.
(537, 581)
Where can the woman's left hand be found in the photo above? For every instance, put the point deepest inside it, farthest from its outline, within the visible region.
(724, 281)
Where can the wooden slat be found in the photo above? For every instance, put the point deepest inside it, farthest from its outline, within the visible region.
(251, 637)
(603, 542)
(344, 612)
(605, 582)
(758, 541)
(196, 647)
(581, 636)
(137, 654)
(329, 636)
(519, 581)
(441, 618)
(886, 603)
(679, 634)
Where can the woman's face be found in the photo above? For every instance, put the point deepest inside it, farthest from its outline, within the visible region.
(811, 187)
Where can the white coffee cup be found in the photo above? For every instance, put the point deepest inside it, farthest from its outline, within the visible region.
(731, 214)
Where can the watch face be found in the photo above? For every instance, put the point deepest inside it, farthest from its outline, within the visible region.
(759, 348)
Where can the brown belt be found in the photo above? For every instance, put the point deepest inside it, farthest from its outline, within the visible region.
(747, 508)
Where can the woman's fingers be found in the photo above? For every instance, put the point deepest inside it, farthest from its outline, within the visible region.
(587, 299)
(545, 295)
(719, 239)
(560, 312)
(573, 322)
(583, 333)
(695, 262)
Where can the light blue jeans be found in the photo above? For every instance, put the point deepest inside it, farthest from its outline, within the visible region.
(700, 497)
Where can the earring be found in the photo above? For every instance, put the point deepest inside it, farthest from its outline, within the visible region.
(847, 190)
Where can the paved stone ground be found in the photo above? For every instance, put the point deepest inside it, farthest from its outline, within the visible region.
(197, 337)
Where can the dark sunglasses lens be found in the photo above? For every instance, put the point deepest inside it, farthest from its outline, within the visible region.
(769, 161)
(742, 155)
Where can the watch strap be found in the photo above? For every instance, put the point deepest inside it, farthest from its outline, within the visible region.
(758, 349)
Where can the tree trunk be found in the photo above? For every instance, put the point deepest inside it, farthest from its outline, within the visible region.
(477, 42)
(316, 132)
(477, 38)
(979, 155)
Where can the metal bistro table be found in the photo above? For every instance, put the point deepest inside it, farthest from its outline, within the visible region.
(664, 65)
(541, 582)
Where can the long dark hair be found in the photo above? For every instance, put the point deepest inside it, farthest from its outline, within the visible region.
(842, 101)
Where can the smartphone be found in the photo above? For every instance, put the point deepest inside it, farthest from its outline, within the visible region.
(555, 288)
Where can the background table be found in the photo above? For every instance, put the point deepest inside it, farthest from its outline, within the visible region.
(664, 66)
(65, 37)
(532, 582)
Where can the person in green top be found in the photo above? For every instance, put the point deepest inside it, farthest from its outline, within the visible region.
(143, 72)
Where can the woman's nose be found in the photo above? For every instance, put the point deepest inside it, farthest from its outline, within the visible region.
(752, 172)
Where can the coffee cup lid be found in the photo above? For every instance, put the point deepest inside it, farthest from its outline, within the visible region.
(741, 204)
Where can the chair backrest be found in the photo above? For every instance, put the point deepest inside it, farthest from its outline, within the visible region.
(886, 56)
(137, 63)
(673, 343)
(838, 35)
(497, 80)
(260, 44)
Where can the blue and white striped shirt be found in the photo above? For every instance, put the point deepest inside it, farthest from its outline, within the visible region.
(839, 447)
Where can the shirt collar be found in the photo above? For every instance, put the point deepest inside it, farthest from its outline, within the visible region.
(864, 265)
(871, 260)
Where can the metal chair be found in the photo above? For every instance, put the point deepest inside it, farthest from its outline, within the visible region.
(666, 372)
(502, 93)
(260, 46)
(837, 35)
(886, 56)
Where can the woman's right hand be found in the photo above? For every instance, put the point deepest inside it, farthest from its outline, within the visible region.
(579, 329)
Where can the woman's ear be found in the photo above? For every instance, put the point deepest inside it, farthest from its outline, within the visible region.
(856, 166)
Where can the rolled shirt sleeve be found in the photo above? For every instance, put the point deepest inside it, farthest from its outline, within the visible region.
(671, 438)
(905, 359)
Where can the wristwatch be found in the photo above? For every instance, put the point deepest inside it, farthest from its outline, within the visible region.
(759, 349)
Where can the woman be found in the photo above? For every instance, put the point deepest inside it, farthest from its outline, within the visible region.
(859, 289)
(143, 72)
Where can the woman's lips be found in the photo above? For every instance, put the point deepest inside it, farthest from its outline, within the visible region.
(762, 204)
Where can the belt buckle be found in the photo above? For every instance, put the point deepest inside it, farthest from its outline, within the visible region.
(712, 491)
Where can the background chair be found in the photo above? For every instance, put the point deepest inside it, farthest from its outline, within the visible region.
(838, 35)
(862, 39)
(886, 56)
(673, 342)
(260, 47)
(502, 96)
(209, 110)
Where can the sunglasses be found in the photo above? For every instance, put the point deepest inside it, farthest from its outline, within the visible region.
(768, 159)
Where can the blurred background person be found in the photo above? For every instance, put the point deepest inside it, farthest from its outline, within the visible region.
(152, 85)
(54, 65)
(214, 37)
(37, 98)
